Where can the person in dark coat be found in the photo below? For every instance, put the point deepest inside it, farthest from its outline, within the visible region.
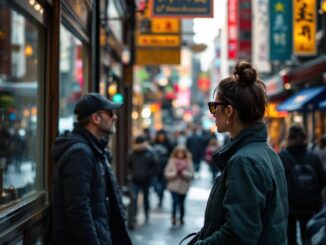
(196, 144)
(304, 197)
(162, 147)
(248, 201)
(143, 167)
(86, 201)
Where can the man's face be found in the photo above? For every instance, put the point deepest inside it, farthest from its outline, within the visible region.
(106, 125)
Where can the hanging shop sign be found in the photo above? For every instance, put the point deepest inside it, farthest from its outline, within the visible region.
(260, 44)
(280, 39)
(158, 56)
(233, 29)
(182, 8)
(158, 41)
(165, 25)
(274, 85)
(304, 27)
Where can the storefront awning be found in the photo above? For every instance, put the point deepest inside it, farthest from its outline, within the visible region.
(309, 70)
(305, 100)
(322, 105)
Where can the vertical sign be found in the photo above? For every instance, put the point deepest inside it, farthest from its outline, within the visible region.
(232, 29)
(304, 27)
(280, 29)
(260, 47)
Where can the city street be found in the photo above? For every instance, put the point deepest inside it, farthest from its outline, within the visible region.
(159, 230)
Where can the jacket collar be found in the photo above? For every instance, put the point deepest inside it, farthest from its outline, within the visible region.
(255, 133)
(99, 146)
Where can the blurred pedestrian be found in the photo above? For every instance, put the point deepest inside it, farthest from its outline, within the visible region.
(213, 147)
(196, 144)
(320, 150)
(248, 202)
(179, 173)
(87, 205)
(305, 179)
(143, 167)
(162, 147)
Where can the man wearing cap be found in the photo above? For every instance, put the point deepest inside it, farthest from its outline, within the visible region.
(87, 206)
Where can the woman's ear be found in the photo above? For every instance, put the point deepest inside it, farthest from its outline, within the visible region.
(229, 111)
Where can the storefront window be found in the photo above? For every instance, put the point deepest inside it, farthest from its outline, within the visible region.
(71, 77)
(21, 133)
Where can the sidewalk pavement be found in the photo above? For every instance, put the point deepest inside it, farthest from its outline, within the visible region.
(159, 230)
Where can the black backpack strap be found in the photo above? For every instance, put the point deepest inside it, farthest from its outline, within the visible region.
(288, 155)
(195, 238)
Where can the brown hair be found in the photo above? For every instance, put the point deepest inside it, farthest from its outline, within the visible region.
(245, 92)
(183, 149)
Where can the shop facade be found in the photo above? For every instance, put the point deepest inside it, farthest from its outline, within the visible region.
(49, 57)
(299, 92)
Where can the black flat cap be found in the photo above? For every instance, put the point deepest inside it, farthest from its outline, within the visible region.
(93, 102)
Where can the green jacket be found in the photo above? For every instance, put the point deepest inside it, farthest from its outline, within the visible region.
(248, 202)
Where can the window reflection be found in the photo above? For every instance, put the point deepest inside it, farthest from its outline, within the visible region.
(71, 77)
(19, 109)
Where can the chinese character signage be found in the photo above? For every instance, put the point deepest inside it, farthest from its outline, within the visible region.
(280, 24)
(304, 27)
(260, 43)
(182, 8)
(232, 29)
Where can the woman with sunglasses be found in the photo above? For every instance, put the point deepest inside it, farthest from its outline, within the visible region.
(248, 202)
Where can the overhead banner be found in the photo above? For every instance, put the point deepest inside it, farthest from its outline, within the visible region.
(182, 8)
(280, 39)
(260, 47)
(232, 29)
(304, 27)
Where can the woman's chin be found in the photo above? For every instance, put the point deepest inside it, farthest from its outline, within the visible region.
(220, 129)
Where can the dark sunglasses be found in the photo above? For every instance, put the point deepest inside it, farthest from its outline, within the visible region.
(212, 105)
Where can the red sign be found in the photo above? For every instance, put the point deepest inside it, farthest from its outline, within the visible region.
(232, 29)
(204, 83)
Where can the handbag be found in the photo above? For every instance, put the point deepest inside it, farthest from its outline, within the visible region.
(193, 240)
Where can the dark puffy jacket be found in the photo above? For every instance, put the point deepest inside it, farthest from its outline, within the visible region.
(248, 202)
(301, 156)
(143, 164)
(86, 203)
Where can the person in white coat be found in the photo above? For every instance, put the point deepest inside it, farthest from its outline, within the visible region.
(179, 173)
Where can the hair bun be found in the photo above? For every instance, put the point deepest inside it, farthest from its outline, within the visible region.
(245, 73)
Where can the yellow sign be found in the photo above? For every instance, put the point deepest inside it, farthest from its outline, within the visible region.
(272, 112)
(165, 25)
(304, 27)
(158, 40)
(158, 56)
